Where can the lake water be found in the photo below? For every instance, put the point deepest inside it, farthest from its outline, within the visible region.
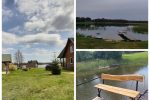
(88, 92)
(111, 32)
(41, 66)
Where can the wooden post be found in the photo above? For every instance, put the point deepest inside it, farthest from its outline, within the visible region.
(98, 93)
(63, 63)
(7, 67)
(132, 98)
(136, 85)
(103, 81)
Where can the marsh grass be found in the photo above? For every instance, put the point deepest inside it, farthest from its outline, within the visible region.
(141, 28)
(37, 84)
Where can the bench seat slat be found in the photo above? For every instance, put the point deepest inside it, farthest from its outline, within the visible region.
(118, 90)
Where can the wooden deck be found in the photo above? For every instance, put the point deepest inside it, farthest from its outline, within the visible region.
(118, 90)
(127, 37)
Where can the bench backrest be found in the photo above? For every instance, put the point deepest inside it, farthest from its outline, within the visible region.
(122, 77)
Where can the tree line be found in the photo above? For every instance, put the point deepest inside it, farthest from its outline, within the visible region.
(87, 55)
(102, 20)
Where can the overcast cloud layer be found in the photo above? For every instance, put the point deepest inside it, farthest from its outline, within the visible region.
(115, 9)
(36, 27)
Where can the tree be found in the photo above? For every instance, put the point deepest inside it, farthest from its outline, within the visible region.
(86, 55)
(19, 58)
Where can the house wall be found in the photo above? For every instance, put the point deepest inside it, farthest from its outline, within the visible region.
(69, 55)
(32, 65)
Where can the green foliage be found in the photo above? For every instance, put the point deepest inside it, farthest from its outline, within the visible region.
(86, 55)
(37, 84)
(81, 56)
(56, 68)
(24, 69)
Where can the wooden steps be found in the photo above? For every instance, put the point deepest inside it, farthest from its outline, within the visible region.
(118, 90)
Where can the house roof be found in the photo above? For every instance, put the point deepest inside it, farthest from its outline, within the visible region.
(62, 54)
(33, 61)
(6, 57)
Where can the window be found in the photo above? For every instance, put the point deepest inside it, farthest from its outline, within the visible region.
(71, 49)
(71, 60)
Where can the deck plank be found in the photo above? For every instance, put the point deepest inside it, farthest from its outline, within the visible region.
(118, 90)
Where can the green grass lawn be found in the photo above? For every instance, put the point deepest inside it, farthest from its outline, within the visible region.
(92, 43)
(135, 59)
(37, 84)
(92, 66)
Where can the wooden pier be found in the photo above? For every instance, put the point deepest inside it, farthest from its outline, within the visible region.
(127, 37)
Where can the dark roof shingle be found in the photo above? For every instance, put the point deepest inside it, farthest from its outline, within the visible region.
(6, 57)
(61, 55)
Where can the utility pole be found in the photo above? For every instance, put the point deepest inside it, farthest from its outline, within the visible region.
(54, 55)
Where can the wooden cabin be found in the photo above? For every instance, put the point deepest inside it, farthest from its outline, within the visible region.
(6, 60)
(67, 55)
(32, 64)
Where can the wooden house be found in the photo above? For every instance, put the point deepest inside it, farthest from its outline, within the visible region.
(67, 55)
(6, 60)
(32, 64)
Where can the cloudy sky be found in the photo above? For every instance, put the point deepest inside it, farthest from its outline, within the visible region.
(115, 9)
(36, 27)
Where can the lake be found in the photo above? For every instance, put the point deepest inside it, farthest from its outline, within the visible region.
(111, 32)
(88, 92)
(42, 66)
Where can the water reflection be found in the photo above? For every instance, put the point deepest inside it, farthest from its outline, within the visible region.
(111, 32)
(88, 92)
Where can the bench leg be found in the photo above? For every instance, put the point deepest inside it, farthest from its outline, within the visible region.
(99, 91)
(132, 98)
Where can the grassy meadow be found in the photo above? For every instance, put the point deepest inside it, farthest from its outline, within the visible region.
(37, 84)
(84, 42)
(92, 66)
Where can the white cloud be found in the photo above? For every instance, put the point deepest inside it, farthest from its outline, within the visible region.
(54, 39)
(9, 38)
(47, 15)
(7, 14)
(7, 50)
(34, 25)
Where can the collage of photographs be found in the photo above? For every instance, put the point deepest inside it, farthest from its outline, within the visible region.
(74, 50)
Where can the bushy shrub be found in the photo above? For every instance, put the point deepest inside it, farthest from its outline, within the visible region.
(12, 67)
(56, 68)
(48, 67)
(25, 69)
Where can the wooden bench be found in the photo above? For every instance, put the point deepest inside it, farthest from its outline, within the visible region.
(132, 94)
